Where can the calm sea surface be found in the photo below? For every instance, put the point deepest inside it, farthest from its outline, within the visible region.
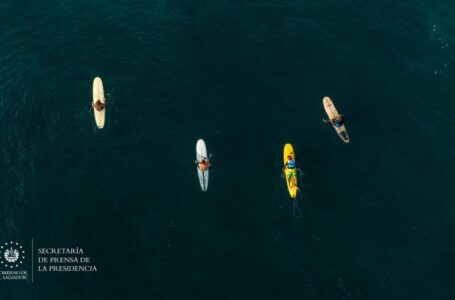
(247, 76)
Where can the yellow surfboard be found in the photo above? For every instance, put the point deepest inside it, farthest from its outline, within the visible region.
(291, 174)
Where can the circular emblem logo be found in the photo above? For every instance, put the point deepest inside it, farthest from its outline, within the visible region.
(12, 255)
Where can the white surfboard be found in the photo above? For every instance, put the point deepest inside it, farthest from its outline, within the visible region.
(332, 113)
(98, 94)
(201, 153)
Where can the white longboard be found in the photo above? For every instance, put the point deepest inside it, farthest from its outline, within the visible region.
(98, 94)
(201, 153)
(332, 113)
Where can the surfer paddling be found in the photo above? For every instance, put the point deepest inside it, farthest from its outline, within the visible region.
(336, 119)
(99, 102)
(290, 174)
(291, 165)
(204, 164)
(337, 122)
(98, 105)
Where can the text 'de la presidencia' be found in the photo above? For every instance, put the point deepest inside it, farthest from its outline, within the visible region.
(64, 260)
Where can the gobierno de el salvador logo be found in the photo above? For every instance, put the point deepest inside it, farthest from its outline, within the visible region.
(12, 255)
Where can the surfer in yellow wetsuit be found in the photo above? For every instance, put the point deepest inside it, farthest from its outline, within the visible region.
(290, 172)
(98, 105)
(337, 122)
(204, 164)
(292, 165)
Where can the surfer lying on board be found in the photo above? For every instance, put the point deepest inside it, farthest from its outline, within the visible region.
(98, 105)
(337, 122)
(204, 164)
(291, 164)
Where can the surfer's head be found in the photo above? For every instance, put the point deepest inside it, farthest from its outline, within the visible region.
(289, 157)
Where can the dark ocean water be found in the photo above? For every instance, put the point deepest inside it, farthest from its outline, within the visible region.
(247, 76)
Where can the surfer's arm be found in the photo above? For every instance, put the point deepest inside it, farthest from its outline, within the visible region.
(326, 121)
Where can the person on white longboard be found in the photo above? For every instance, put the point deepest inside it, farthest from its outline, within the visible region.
(337, 122)
(98, 105)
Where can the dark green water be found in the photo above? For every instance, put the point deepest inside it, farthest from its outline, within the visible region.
(247, 76)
